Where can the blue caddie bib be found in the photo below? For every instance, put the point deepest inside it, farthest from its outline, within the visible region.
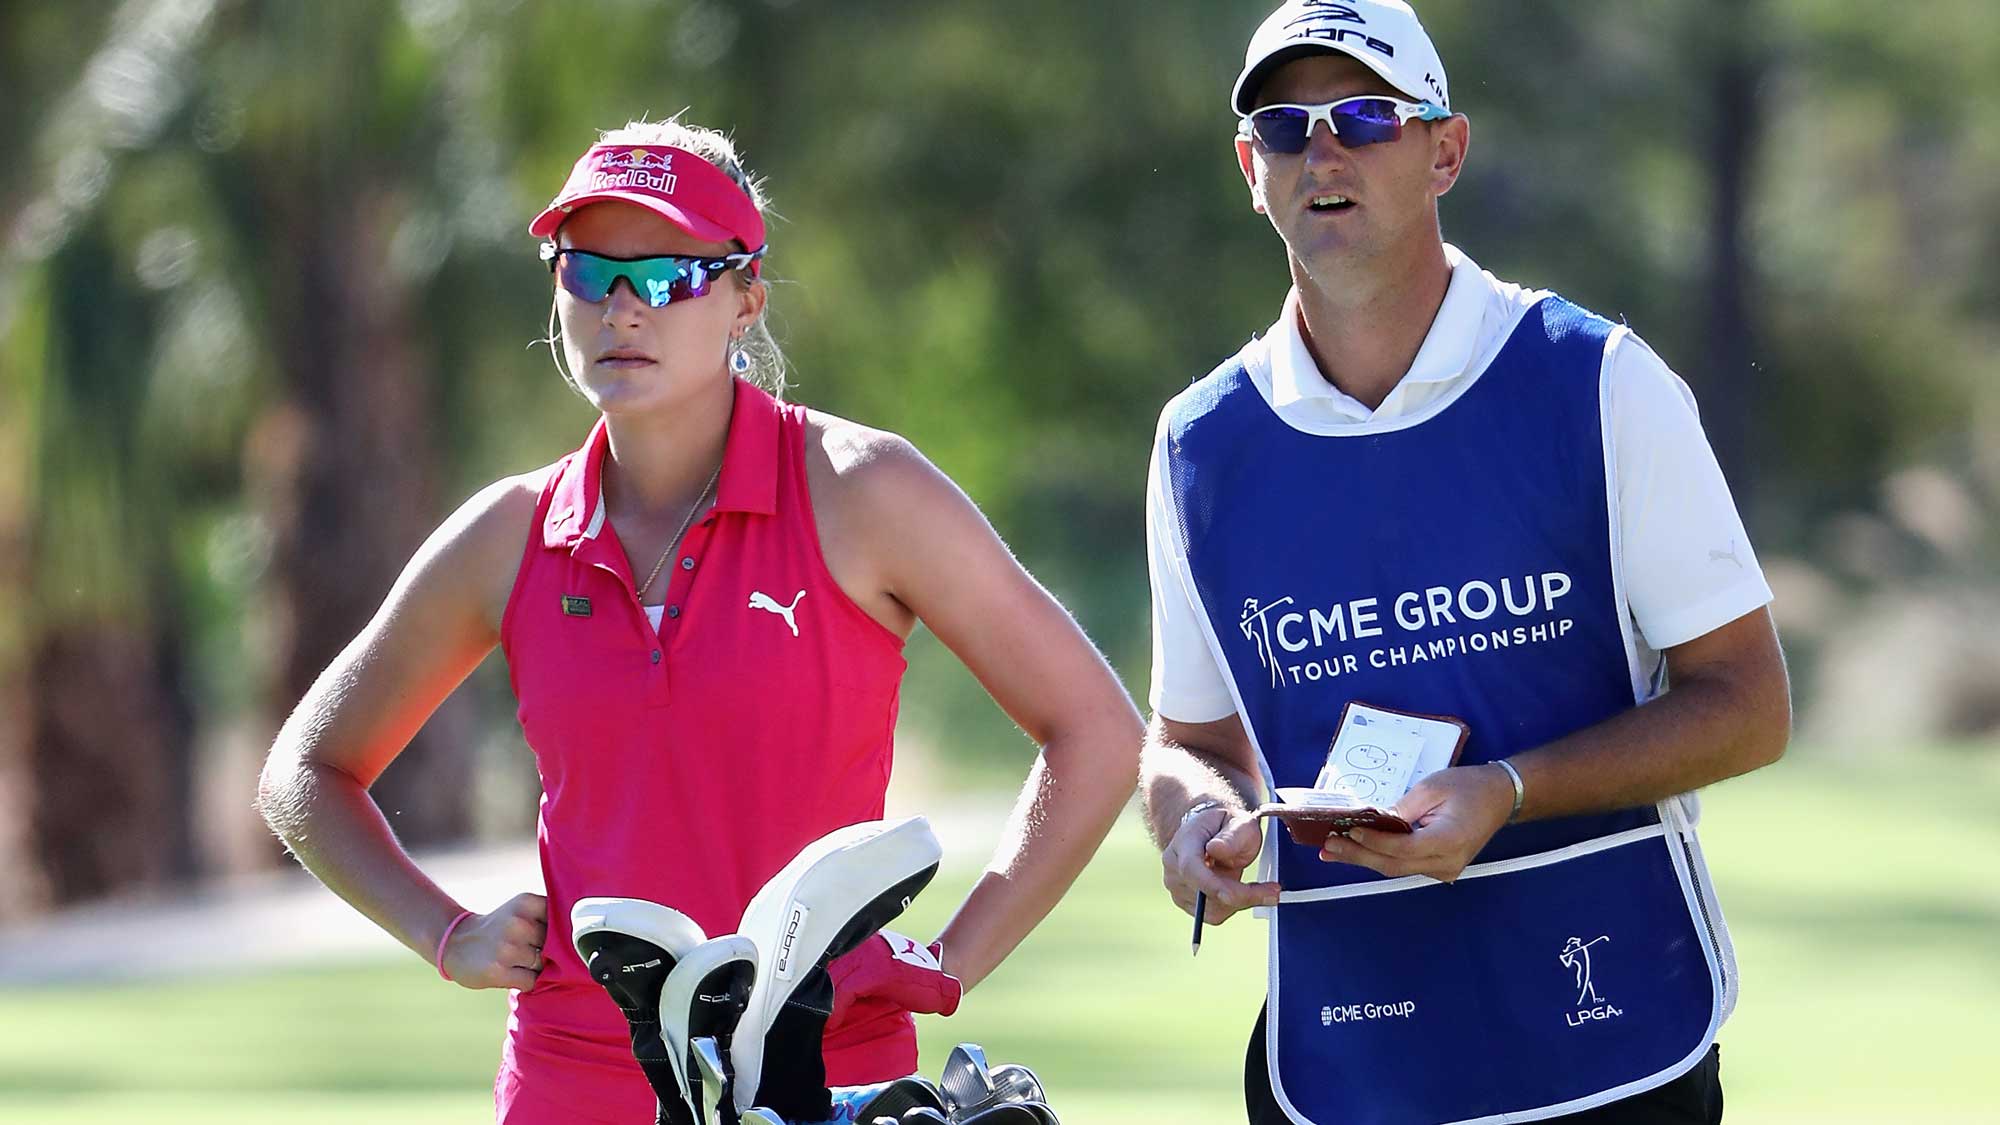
(1463, 562)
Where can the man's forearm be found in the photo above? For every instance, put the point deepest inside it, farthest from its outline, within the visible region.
(1176, 776)
(1699, 732)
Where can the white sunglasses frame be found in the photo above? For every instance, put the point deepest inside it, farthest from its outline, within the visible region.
(1406, 111)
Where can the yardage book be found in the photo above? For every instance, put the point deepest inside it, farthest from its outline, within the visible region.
(1376, 756)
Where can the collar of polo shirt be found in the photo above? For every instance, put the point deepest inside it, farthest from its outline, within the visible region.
(1475, 304)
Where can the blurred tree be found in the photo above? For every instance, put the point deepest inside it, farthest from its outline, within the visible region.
(266, 295)
(338, 109)
(1729, 36)
(97, 756)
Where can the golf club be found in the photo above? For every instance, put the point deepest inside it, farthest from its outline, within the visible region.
(889, 1099)
(714, 1106)
(1008, 1082)
(966, 1079)
(702, 998)
(1013, 1113)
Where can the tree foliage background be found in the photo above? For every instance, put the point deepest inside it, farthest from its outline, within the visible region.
(268, 311)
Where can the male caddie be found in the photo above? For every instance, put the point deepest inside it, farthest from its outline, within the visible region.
(1430, 490)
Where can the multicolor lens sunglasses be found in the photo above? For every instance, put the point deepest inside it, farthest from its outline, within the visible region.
(1366, 120)
(658, 280)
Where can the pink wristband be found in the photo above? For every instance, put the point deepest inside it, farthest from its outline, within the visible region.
(462, 916)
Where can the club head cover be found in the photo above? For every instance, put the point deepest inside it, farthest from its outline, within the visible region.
(758, 1115)
(703, 997)
(1042, 1112)
(924, 1115)
(967, 1081)
(714, 1105)
(829, 899)
(630, 947)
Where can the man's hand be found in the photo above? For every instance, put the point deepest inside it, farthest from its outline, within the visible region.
(1210, 853)
(1453, 813)
(502, 949)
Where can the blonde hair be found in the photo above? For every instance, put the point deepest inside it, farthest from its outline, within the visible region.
(767, 360)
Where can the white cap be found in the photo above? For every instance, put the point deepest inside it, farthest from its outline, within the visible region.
(1384, 34)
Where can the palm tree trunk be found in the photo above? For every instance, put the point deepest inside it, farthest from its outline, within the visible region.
(24, 885)
(347, 463)
(1730, 394)
(110, 743)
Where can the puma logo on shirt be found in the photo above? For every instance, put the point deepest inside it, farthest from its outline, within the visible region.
(763, 601)
(1726, 556)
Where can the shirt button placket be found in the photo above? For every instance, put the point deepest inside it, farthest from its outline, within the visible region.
(677, 595)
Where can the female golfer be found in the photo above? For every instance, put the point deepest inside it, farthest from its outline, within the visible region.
(703, 609)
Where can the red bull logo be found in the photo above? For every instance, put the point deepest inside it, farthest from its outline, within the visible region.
(635, 167)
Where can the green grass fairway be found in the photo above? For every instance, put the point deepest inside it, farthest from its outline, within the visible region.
(1862, 896)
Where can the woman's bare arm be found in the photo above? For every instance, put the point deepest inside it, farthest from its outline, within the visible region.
(438, 622)
(933, 551)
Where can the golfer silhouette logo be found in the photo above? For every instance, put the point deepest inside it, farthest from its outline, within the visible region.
(1257, 631)
(763, 601)
(1576, 957)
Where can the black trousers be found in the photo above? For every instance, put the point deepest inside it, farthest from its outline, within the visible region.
(1695, 1098)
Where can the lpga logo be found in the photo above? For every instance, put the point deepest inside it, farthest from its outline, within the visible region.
(1575, 957)
(1257, 631)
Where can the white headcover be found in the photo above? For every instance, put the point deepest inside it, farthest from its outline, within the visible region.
(662, 925)
(804, 908)
(688, 1001)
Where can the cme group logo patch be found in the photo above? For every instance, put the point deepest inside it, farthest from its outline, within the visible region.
(1303, 643)
(1590, 1006)
(1331, 1014)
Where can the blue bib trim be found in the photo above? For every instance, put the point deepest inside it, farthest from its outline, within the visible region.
(1470, 573)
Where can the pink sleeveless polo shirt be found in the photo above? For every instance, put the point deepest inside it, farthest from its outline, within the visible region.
(687, 764)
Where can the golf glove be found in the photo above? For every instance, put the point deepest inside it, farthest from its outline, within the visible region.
(891, 972)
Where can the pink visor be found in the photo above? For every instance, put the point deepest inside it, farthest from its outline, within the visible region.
(674, 183)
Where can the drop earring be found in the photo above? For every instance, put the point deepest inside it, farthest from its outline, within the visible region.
(739, 360)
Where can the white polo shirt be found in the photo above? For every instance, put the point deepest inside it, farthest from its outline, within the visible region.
(1684, 560)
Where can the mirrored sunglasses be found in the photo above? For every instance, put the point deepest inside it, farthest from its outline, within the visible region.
(658, 280)
(1365, 120)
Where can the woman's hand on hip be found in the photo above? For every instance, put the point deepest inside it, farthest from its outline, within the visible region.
(502, 949)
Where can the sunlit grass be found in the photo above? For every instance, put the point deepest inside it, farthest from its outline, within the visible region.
(1866, 915)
